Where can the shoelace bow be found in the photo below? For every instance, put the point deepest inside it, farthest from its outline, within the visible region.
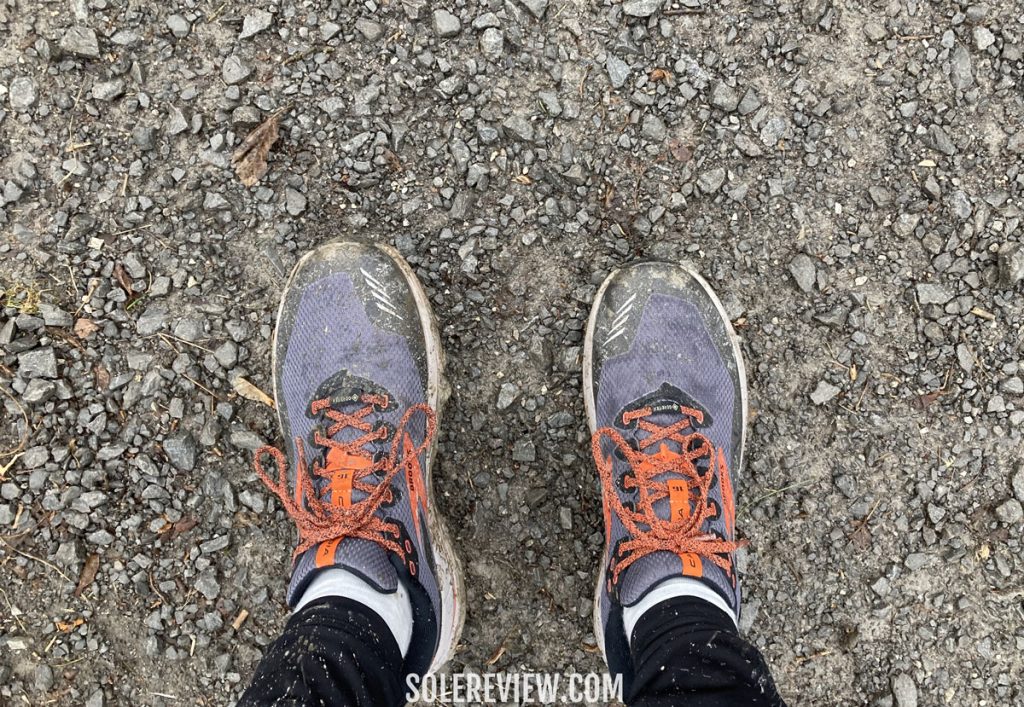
(319, 521)
(678, 536)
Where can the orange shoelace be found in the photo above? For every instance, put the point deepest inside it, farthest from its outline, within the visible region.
(649, 533)
(319, 520)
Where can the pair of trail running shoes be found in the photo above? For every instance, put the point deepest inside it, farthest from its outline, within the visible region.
(359, 387)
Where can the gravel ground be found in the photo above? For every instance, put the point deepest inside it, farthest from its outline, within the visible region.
(846, 174)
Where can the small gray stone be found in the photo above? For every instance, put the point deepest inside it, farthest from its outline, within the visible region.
(38, 391)
(641, 8)
(181, 449)
(215, 201)
(1015, 143)
(824, 392)
(537, 8)
(1012, 386)
(371, 30)
(364, 98)
(507, 395)
(519, 127)
(1010, 512)
(226, 354)
(38, 363)
(234, 70)
(334, 106)
(931, 293)
(618, 71)
(802, 269)
(1011, 264)
(711, 180)
(724, 97)
(81, 41)
(492, 43)
(939, 139)
(983, 38)
(179, 26)
(653, 128)
(96, 699)
(68, 554)
(549, 99)
(565, 518)
(904, 691)
(189, 329)
(1018, 482)
(208, 586)
(244, 438)
(254, 23)
(446, 24)
(42, 678)
(176, 122)
(524, 451)
(960, 74)
(328, 30)
(874, 31)
(23, 93)
(773, 130)
(996, 404)
(294, 201)
(751, 102)
(35, 457)
(905, 224)
(151, 321)
(108, 90)
(965, 358)
(144, 137)
(916, 560)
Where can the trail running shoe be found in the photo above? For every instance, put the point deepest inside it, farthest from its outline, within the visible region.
(665, 393)
(358, 384)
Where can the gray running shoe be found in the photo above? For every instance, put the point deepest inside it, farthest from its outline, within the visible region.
(666, 401)
(358, 384)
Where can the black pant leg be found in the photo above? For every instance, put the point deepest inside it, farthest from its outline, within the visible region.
(333, 651)
(687, 652)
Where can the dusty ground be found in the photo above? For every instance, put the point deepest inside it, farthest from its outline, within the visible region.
(848, 175)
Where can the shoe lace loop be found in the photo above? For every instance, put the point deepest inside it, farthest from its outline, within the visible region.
(648, 532)
(319, 520)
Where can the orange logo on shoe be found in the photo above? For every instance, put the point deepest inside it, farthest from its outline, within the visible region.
(340, 470)
(679, 505)
(414, 482)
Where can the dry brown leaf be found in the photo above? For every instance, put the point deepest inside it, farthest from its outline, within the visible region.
(661, 75)
(522, 179)
(173, 530)
(88, 575)
(681, 152)
(102, 376)
(394, 164)
(250, 159)
(123, 278)
(250, 392)
(65, 626)
(84, 328)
